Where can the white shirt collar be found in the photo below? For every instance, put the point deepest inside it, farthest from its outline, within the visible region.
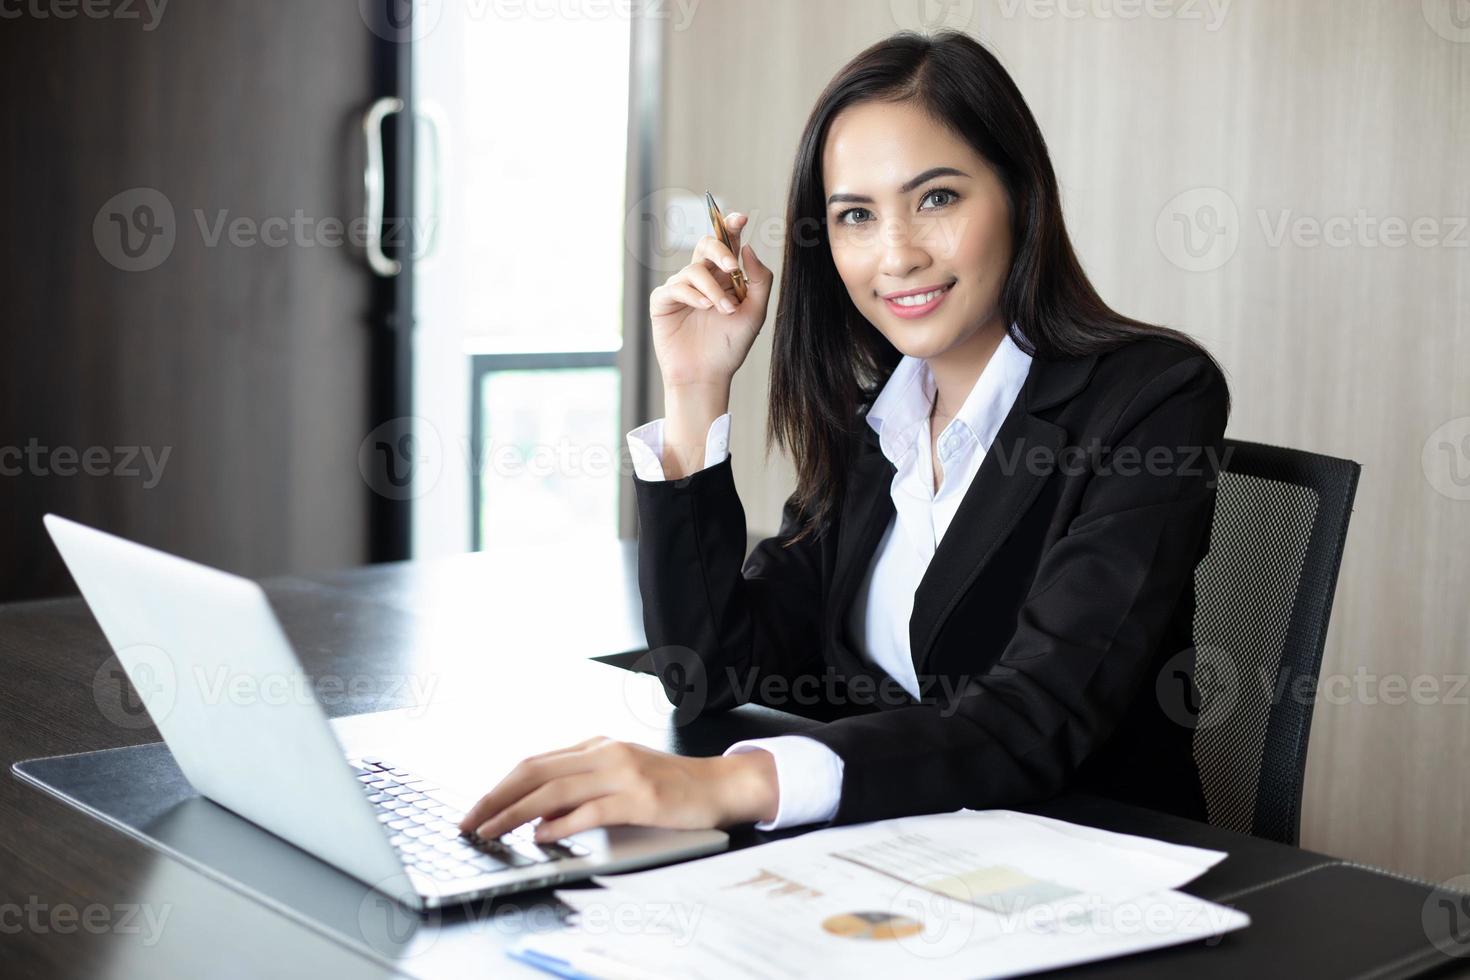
(903, 406)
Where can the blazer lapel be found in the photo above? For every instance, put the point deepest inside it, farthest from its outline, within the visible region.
(1003, 488)
(867, 508)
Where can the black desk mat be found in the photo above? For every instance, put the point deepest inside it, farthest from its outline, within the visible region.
(1333, 920)
(140, 791)
(1315, 917)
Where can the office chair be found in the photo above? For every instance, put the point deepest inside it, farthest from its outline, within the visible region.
(1263, 596)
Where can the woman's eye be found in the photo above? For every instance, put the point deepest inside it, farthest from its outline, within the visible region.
(947, 197)
(944, 191)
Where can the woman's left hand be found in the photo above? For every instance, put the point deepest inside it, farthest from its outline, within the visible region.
(601, 782)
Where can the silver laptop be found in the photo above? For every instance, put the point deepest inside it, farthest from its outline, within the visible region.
(368, 817)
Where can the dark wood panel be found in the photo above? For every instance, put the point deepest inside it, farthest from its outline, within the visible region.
(246, 363)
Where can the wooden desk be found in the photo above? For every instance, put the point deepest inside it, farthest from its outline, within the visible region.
(382, 638)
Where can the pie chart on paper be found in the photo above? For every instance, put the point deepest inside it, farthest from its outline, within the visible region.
(871, 925)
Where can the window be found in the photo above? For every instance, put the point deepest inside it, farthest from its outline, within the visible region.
(519, 309)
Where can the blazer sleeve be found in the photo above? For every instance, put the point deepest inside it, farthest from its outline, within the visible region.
(716, 621)
(1085, 637)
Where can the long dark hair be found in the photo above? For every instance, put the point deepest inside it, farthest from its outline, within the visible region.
(827, 359)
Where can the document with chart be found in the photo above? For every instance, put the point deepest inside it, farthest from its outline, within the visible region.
(966, 894)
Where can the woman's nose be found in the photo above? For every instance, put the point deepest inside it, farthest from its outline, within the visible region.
(900, 262)
(902, 253)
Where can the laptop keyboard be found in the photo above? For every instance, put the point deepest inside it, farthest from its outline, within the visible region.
(426, 833)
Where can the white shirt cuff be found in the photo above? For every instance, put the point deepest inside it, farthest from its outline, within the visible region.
(808, 779)
(646, 446)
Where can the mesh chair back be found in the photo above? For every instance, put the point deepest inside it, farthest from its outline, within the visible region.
(1263, 595)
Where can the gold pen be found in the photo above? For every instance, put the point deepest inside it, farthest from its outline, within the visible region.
(715, 218)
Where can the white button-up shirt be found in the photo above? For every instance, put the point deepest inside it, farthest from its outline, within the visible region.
(808, 774)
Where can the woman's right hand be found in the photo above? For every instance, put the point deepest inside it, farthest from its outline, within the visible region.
(697, 342)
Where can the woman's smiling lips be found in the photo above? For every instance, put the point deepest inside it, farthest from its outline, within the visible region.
(913, 308)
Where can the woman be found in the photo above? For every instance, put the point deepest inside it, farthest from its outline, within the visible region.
(1003, 490)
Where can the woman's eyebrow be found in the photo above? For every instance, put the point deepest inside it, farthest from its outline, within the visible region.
(927, 175)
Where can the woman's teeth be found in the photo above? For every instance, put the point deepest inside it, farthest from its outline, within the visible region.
(920, 299)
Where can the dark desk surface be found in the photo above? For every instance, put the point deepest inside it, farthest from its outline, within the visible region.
(441, 633)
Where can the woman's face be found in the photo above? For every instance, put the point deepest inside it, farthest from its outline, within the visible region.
(911, 207)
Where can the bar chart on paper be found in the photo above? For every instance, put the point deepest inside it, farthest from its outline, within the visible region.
(943, 868)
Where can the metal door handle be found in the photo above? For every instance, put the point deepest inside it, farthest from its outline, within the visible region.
(373, 184)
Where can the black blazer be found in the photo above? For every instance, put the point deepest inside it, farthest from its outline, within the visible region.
(1060, 594)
